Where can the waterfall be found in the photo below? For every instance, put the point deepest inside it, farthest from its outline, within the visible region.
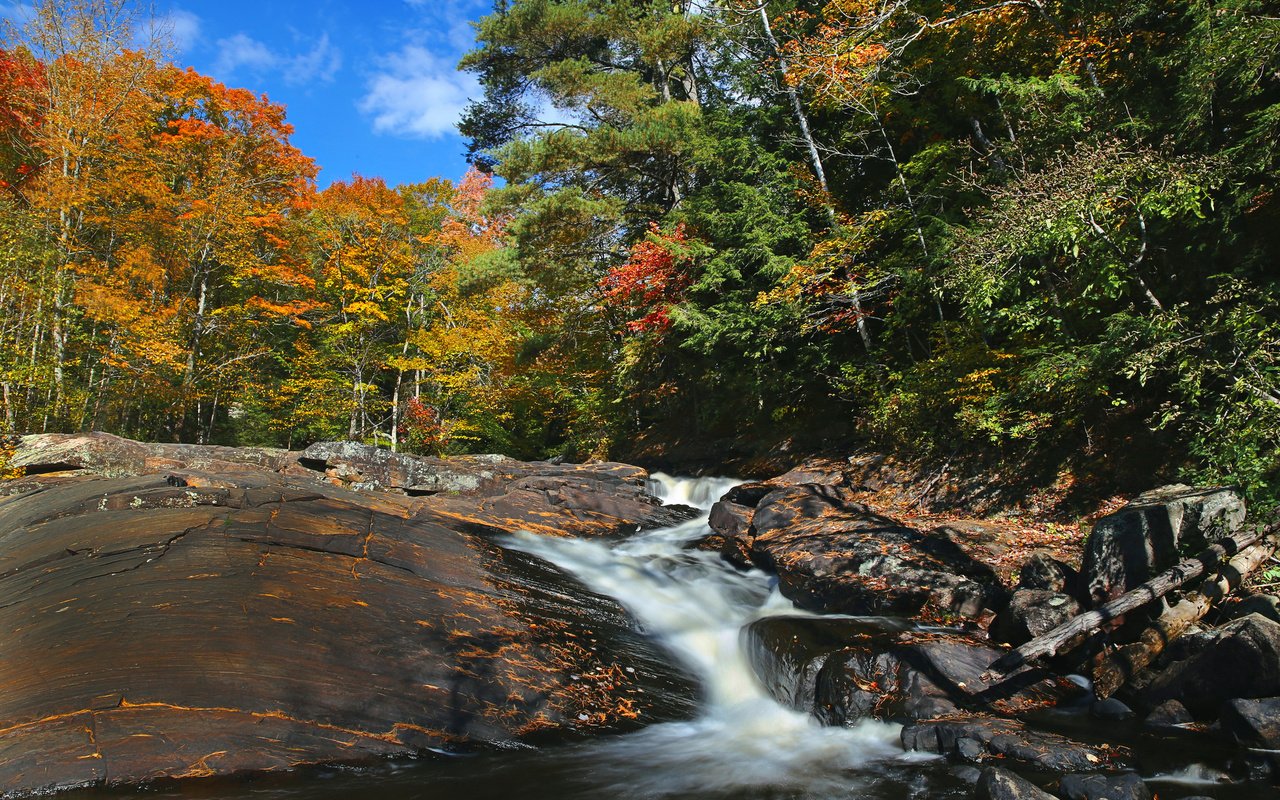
(696, 606)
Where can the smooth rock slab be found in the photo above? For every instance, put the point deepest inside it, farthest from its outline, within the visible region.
(185, 624)
(833, 554)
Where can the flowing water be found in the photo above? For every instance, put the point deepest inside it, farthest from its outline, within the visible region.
(696, 605)
(741, 744)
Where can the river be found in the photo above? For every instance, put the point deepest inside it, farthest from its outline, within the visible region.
(740, 744)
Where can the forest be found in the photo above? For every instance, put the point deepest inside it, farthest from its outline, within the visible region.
(1039, 232)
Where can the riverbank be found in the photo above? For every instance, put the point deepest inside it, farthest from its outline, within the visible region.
(242, 610)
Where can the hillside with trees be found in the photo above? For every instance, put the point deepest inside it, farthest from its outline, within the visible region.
(1040, 233)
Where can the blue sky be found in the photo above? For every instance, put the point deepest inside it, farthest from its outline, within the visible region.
(371, 87)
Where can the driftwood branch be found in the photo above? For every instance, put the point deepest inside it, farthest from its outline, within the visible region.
(1073, 631)
(1112, 670)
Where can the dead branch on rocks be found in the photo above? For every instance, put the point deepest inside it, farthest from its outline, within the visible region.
(1074, 631)
(1112, 670)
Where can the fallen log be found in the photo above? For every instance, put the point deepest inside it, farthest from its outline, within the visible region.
(1112, 670)
(1072, 632)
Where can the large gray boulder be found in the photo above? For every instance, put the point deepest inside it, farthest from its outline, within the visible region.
(1148, 535)
(1122, 786)
(1031, 613)
(1242, 660)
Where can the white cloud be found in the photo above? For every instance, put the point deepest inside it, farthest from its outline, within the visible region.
(449, 22)
(418, 94)
(243, 53)
(320, 63)
(177, 30)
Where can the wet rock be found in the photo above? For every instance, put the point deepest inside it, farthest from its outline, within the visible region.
(1146, 536)
(731, 523)
(1031, 613)
(787, 653)
(1253, 723)
(1001, 784)
(925, 679)
(1167, 715)
(730, 520)
(1043, 571)
(1110, 708)
(183, 623)
(1261, 765)
(979, 739)
(966, 774)
(1242, 661)
(1124, 786)
(833, 554)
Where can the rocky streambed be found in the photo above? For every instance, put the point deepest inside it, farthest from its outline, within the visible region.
(180, 612)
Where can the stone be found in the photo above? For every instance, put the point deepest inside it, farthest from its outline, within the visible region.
(1031, 613)
(182, 623)
(1043, 571)
(732, 523)
(1168, 714)
(1242, 661)
(788, 653)
(820, 471)
(1110, 708)
(1001, 784)
(980, 739)
(834, 554)
(1149, 535)
(966, 774)
(730, 520)
(925, 679)
(1252, 722)
(1122, 786)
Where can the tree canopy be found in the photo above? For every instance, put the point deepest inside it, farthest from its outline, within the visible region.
(1043, 231)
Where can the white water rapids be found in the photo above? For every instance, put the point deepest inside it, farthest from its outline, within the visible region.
(696, 606)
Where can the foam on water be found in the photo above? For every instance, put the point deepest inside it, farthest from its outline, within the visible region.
(697, 492)
(696, 605)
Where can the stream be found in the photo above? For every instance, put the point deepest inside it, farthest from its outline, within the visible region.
(741, 743)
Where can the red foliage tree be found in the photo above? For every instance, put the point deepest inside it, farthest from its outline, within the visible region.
(652, 280)
(20, 79)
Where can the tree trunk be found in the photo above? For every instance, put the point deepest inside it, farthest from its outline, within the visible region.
(815, 158)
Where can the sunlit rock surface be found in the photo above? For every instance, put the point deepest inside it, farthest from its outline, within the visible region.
(207, 610)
